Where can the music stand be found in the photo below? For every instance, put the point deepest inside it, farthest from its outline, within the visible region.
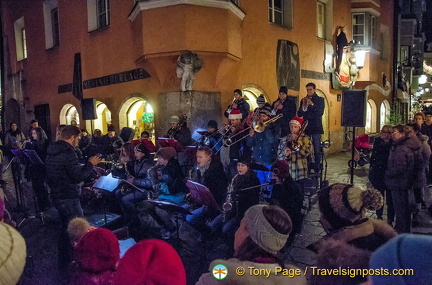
(149, 144)
(202, 195)
(167, 142)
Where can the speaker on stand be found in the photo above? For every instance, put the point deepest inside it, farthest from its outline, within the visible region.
(353, 115)
(88, 108)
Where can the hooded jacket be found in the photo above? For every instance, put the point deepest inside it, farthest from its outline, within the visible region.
(64, 173)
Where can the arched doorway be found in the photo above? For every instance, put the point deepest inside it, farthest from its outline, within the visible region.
(12, 113)
(251, 92)
(103, 119)
(371, 115)
(69, 115)
(325, 119)
(384, 113)
(138, 114)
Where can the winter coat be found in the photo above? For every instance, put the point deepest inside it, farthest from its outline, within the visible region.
(40, 147)
(15, 139)
(243, 106)
(288, 111)
(425, 153)
(378, 163)
(141, 168)
(401, 164)
(173, 177)
(245, 198)
(313, 114)
(298, 160)
(263, 145)
(64, 173)
(238, 146)
(214, 179)
(427, 131)
(232, 278)
(182, 135)
(112, 144)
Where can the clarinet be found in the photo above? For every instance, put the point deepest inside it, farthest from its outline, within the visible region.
(228, 205)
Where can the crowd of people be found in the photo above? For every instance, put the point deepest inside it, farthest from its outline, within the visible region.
(272, 150)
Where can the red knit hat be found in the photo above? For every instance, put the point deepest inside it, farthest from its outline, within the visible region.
(235, 114)
(150, 261)
(297, 120)
(97, 251)
(281, 168)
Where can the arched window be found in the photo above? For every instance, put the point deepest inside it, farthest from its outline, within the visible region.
(384, 113)
(69, 115)
(103, 119)
(138, 114)
(371, 115)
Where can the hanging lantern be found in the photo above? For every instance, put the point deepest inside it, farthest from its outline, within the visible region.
(147, 117)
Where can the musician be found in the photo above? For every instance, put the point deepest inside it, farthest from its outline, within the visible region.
(212, 138)
(210, 173)
(264, 144)
(297, 159)
(235, 137)
(14, 138)
(239, 103)
(112, 141)
(288, 195)
(287, 107)
(229, 221)
(312, 110)
(179, 131)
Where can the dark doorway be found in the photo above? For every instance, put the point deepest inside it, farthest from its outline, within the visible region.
(42, 114)
(12, 113)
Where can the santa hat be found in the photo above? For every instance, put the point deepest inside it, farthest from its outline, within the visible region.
(150, 261)
(297, 120)
(235, 114)
(97, 251)
(13, 254)
(345, 204)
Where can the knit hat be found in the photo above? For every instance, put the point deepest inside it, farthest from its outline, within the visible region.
(297, 120)
(245, 159)
(260, 99)
(166, 153)
(280, 168)
(265, 110)
(283, 89)
(150, 261)
(174, 119)
(97, 251)
(345, 204)
(235, 114)
(12, 254)
(77, 228)
(212, 124)
(142, 148)
(111, 128)
(238, 91)
(405, 251)
(262, 232)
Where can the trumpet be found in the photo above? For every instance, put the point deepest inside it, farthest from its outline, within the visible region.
(295, 145)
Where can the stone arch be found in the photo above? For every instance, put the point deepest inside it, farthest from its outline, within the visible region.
(251, 92)
(371, 116)
(137, 113)
(69, 115)
(384, 113)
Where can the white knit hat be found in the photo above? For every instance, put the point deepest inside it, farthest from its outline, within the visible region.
(12, 255)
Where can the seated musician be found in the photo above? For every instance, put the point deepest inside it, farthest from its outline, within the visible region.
(235, 141)
(179, 131)
(287, 194)
(212, 138)
(239, 200)
(210, 173)
(264, 144)
(130, 196)
(297, 158)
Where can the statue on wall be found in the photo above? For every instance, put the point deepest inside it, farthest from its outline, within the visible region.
(188, 63)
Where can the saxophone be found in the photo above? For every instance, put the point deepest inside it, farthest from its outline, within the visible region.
(228, 205)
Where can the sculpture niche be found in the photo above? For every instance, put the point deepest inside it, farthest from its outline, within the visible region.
(188, 63)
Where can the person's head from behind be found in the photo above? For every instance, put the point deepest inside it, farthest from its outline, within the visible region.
(59, 131)
(77, 228)
(145, 135)
(263, 232)
(127, 152)
(150, 261)
(419, 118)
(141, 152)
(165, 154)
(203, 156)
(13, 254)
(71, 135)
(36, 133)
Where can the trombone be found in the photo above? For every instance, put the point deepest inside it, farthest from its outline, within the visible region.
(259, 128)
(295, 145)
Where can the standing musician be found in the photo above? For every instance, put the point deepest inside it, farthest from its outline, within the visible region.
(235, 139)
(212, 138)
(238, 103)
(312, 110)
(264, 144)
(297, 158)
(239, 201)
(287, 107)
(179, 131)
(261, 104)
(210, 173)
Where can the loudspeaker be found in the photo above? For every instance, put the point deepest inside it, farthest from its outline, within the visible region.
(354, 108)
(88, 107)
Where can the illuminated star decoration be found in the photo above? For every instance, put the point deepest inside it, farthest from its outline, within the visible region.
(219, 271)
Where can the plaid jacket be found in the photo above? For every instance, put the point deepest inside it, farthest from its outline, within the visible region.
(298, 160)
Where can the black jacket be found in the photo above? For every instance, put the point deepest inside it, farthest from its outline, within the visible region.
(243, 106)
(64, 173)
(313, 115)
(141, 168)
(173, 176)
(245, 198)
(214, 179)
(238, 146)
(288, 111)
(182, 135)
(378, 163)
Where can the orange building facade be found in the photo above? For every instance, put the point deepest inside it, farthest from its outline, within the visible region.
(129, 52)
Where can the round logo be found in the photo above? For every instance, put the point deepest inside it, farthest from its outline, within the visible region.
(220, 271)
